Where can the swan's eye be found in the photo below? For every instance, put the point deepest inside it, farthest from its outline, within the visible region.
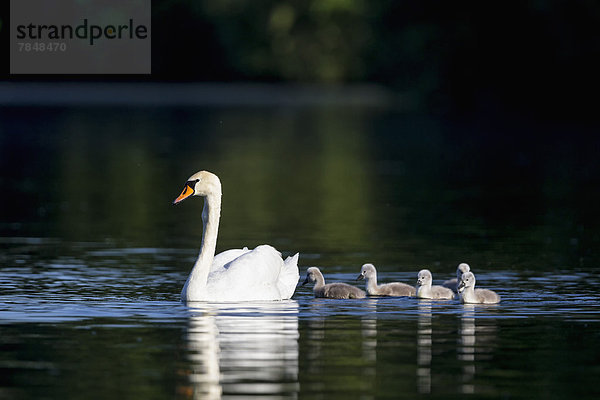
(192, 184)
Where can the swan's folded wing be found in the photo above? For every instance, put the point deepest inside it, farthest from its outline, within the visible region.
(226, 257)
(289, 276)
(252, 275)
(262, 264)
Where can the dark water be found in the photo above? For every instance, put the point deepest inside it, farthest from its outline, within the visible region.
(93, 256)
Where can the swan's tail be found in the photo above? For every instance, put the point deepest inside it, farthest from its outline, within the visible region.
(288, 278)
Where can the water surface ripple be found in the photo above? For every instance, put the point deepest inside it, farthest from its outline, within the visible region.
(90, 296)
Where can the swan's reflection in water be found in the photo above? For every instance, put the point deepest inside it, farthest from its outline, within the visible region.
(424, 342)
(244, 350)
(203, 347)
(474, 340)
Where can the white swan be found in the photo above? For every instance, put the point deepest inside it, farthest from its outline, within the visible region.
(468, 293)
(237, 274)
(453, 283)
(426, 291)
(337, 290)
(369, 273)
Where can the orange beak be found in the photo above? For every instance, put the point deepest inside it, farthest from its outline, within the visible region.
(187, 192)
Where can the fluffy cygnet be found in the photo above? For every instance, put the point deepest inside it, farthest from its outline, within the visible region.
(468, 293)
(369, 273)
(453, 283)
(336, 290)
(426, 291)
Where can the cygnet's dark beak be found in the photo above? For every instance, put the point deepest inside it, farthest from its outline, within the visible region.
(360, 277)
(461, 286)
(306, 281)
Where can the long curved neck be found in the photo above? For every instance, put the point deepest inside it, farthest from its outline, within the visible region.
(469, 293)
(319, 280)
(425, 289)
(211, 214)
(372, 281)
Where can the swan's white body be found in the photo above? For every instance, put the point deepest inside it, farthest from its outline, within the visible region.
(237, 274)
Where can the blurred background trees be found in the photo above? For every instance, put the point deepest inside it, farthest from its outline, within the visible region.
(532, 54)
(539, 55)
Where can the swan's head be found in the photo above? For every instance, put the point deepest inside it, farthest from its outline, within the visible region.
(367, 271)
(424, 277)
(462, 268)
(311, 275)
(202, 183)
(466, 280)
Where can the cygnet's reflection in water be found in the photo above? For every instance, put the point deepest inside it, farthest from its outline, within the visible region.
(474, 340)
(339, 353)
(424, 342)
(244, 349)
(466, 349)
(369, 343)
